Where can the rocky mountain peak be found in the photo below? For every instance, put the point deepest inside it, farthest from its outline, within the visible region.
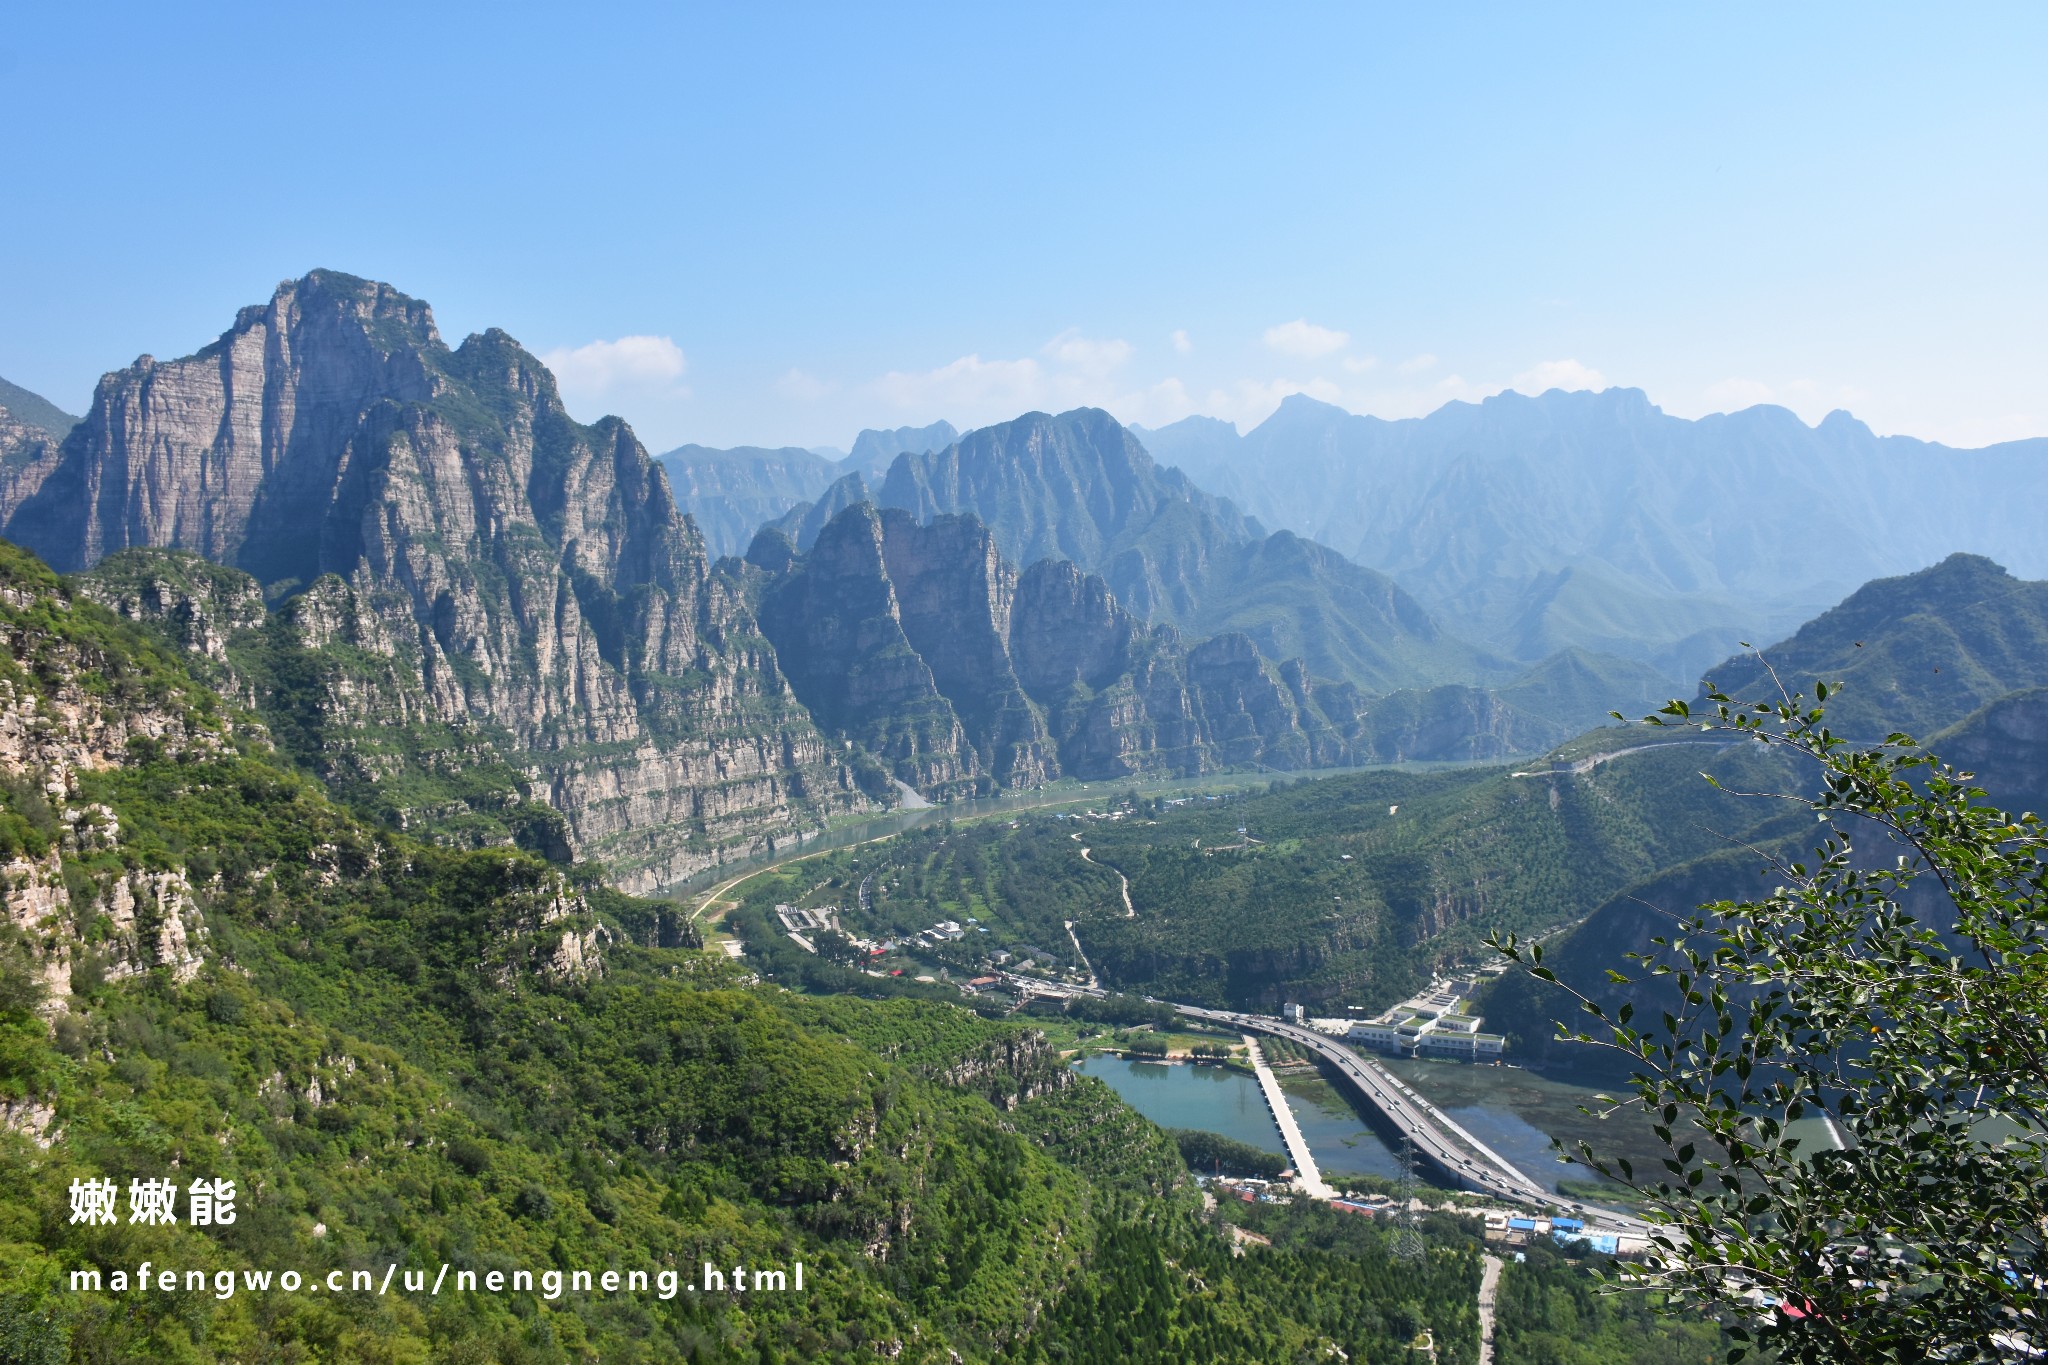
(920, 641)
(452, 550)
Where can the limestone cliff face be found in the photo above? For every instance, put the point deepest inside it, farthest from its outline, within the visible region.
(28, 453)
(59, 720)
(838, 627)
(922, 643)
(451, 548)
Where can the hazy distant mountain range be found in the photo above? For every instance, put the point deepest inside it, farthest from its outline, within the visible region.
(1598, 520)
(454, 600)
(507, 610)
(1079, 487)
(1521, 526)
(1956, 655)
(732, 493)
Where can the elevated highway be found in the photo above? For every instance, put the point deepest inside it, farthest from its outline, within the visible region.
(1453, 1153)
(1456, 1156)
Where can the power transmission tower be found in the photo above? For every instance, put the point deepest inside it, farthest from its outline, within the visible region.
(1408, 1245)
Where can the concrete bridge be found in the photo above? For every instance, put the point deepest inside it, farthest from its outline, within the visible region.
(1457, 1157)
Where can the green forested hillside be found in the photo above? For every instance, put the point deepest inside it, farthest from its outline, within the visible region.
(35, 410)
(1348, 889)
(1551, 1311)
(2005, 744)
(1915, 653)
(407, 1056)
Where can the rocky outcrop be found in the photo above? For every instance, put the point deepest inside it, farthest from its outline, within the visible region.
(452, 550)
(838, 628)
(921, 643)
(62, 717)
(28, 452)
(200, 605)
(1079, 486)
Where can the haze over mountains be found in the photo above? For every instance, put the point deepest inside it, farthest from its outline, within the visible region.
(1597, 520)
(1520, 526)
(514, 610)
(496, 619)
(1955, 655)
(732, 493)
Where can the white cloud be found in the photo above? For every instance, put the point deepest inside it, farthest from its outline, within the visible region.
(1086, 354)
(1166, 401)
(967, 385)
(1359, 364)
(1181, 342)
(1304, 339)
(1070, 371)
(1416, 364)
(1558, 374)
(804, 386)
(636, 362)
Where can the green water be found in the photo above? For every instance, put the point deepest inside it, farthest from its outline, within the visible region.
(1210, 1098)
(1514, 1112)
(1216, 1100)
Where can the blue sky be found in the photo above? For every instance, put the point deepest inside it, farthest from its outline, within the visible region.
(779, 224)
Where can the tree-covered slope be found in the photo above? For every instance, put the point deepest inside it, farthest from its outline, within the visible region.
(1341, 891)
(32, 409)
(1916, 653)
(406, 1056)
(1908, 654)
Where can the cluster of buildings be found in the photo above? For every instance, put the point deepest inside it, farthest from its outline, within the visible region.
(1431, 1024)
(800, 922)
(1249, 1189)
(1518, 1230)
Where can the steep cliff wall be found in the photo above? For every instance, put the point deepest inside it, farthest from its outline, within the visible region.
(922, 643)
(452, 550)
(1081, 487)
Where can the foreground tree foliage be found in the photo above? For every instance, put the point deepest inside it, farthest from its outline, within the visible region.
(1894, 987)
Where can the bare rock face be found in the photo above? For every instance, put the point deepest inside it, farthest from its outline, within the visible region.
(27, 455)
(55, 725)
(921, 643)
(838, 628)
(450, 549)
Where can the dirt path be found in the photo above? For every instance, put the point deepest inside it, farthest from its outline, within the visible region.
(1123, 883)
(1489, 1284)
(1094, 983)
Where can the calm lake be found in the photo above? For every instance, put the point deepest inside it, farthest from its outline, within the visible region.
(1228, 1102)
(1512, 1111)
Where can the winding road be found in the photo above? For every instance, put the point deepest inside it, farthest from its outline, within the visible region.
(1123, 882)
(1587, 764)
